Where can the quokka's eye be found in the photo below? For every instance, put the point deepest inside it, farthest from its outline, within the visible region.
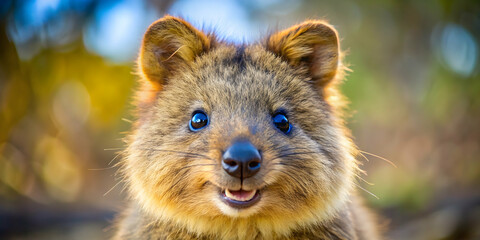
(280, 121)
(199, 120)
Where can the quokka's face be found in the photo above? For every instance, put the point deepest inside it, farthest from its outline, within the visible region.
(237, 132)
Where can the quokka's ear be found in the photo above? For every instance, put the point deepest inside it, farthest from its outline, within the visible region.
(313, 44)
(169, 44)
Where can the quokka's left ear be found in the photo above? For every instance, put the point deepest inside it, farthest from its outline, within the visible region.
(313, 44)
(170, 44)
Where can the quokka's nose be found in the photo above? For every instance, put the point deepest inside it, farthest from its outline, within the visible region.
(241, 160)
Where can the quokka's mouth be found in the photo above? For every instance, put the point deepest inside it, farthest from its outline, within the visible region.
(241, 198)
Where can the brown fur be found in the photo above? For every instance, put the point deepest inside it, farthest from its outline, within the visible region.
(175, 176)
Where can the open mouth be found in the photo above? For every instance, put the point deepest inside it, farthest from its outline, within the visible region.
(240, 198)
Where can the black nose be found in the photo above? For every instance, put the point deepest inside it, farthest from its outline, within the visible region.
(241, 160)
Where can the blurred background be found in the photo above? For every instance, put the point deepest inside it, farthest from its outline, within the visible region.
(66, 85)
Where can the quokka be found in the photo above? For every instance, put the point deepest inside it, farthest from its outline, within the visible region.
(241, 141)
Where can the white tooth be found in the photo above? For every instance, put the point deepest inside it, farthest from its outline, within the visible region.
(243, 199)
(229, 194)
(250, 196)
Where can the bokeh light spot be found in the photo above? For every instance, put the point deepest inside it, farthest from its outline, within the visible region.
(13, 167)
(116, 30)
(458, 49)
(228, 18)
(59, 169)
(71, 105)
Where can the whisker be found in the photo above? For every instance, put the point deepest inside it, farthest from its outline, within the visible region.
(361, 154)
(291, 154)
(113, 159)
(286, 149)
(367, 191)
(295, 179)
(105, 194)
(127, 120)
(180, 175)
(112, 149)
(196, 165)
(100, 169)
(173, 54)
(200, 171)
(181, 152)
(363, 180)
(382, 158)
(296, 153)
(180, 178)
(292, 165)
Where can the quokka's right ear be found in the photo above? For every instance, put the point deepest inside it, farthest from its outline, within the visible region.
(169, 44)
(313, 44)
